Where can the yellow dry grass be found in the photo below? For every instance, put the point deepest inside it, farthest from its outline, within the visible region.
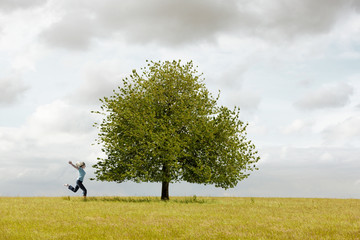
(180, 218)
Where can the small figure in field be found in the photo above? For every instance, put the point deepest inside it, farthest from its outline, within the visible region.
(80, 166)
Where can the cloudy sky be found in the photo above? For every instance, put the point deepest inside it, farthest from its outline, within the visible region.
(293, 67)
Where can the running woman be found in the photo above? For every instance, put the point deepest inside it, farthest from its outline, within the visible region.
(80, 166)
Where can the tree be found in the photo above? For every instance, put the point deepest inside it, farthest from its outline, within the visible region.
(164, 126)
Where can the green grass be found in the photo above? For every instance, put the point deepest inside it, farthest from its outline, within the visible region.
(179, 218)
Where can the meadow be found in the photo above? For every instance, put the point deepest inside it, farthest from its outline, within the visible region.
(180, 218)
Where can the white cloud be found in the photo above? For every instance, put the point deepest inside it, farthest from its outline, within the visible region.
(326, 156)
(246, 100)
(11, 90)
(329, 96)
(26, 59)
(256, 128)
(19, 47)
(303, 172)
(249, 50)
(345, 133)
(40, 149)
(234, 89)
(298, 126)
(60, 117)
(20, 29)
(54, 131)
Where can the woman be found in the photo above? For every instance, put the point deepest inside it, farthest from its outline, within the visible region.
(80, 166)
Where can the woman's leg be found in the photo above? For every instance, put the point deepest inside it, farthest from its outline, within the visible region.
(79, 184)
(74, 189)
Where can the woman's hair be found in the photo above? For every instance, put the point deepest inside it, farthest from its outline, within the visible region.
(80, 164)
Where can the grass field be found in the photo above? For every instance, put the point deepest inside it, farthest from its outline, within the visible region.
(180, 218)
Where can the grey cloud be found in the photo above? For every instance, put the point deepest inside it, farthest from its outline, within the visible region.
(356, 4)
(8, 5)
(291, 19)
(11, 89)
(74, 31)
(333, 96)
(93, 89)
(169, 22)
(164, 22)
(99, 81)
(234, 76)
(174, 23)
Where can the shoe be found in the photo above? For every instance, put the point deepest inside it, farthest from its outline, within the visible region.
(66, 185)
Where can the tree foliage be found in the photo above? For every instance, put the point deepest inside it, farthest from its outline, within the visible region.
(163, 125)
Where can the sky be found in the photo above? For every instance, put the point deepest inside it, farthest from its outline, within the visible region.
(293, 68)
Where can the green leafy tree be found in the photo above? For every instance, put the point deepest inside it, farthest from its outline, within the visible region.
(163, 125)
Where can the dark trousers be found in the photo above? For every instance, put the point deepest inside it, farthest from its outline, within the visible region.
(78, 185)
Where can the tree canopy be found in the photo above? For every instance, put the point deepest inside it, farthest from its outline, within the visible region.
(163, 125)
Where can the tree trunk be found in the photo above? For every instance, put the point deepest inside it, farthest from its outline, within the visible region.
(165, 183)
(165, 191)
